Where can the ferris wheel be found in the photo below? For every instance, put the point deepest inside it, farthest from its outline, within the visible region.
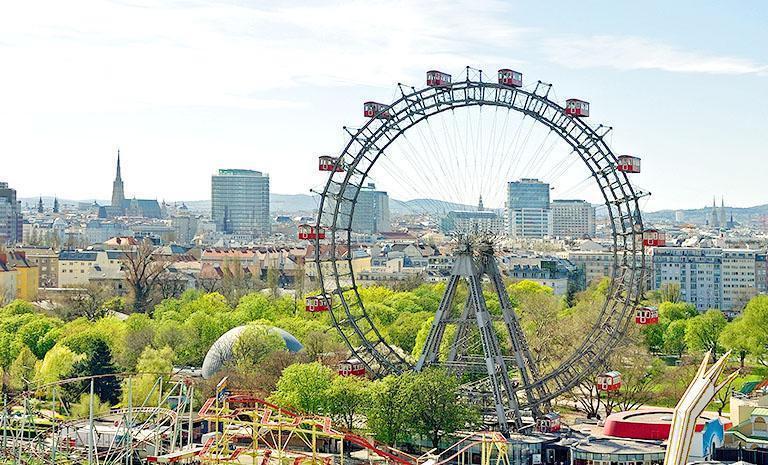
(470, 145)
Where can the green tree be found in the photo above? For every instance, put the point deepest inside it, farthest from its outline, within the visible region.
(138, 335)
(404, 329)
(671, 311)
(154, 364)
(33, 335)
(674, 337)
(9, 350)
(390, 411)
(749, 332)
(304, 387)
(703, 331)
(82, 408)
(438, 410)
(22, 370)
(57, 364)
(317, 343)
(256, 306)
(253, 345)
(348, 397)
(738, 337)
(97, 362)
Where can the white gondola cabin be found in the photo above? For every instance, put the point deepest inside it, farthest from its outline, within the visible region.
(317, 303)
(576, 107)
(628, 164)
(328, 163)
(607, 382)
(376, 110)
(654, 238)
(646, 315)
(309, 232)
(511, 78)
(549, 423)
(438, 78)
(352, 367)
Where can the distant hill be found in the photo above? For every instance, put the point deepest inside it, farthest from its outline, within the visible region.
(700, 215)
(305, 203)
(430, 206)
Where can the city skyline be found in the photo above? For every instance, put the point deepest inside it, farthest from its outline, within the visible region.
(176, 95)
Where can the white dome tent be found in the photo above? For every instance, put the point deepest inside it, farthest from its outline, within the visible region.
(221, 350)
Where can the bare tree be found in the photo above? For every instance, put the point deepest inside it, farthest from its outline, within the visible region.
(143, 271)
(237, 281)
(171, 285)
(723, 397)
(586, 398)
(87, 301)
(273, 280)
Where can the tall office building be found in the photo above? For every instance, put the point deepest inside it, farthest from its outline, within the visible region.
(371, 211)
(11, 221)
(240, 202)
(528, 212)
(573, 218)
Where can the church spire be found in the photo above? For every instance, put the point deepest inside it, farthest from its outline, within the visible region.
(117, 176)
(118, 194)
(480, 204)
(714, 217)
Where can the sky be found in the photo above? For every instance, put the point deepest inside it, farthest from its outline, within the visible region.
(183, 88)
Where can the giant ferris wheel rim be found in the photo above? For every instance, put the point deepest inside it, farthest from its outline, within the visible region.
(620, 198)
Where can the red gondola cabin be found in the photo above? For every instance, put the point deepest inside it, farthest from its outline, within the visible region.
(327, 163)
(511, 78)
(438, 79)
(376, 110)
(352, 367)
(607, 382)
(646, 315)
(654, 238)
(549, 423)
(317, 303)
(309, 232)
(576, 107)
(628, 164)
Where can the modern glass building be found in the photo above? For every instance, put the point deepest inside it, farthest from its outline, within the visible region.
(240, 202)
(528, 211)
(11, 222)
(371, 211)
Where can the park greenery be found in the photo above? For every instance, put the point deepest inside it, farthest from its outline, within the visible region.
(73, 340)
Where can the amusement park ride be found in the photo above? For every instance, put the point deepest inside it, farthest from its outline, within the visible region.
(512, 389)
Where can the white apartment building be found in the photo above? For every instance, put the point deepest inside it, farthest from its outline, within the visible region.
(572, 218)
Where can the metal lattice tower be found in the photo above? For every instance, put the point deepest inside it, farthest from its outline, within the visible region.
(475, 261)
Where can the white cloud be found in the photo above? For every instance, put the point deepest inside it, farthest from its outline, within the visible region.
(632, 53)
(130, 56)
